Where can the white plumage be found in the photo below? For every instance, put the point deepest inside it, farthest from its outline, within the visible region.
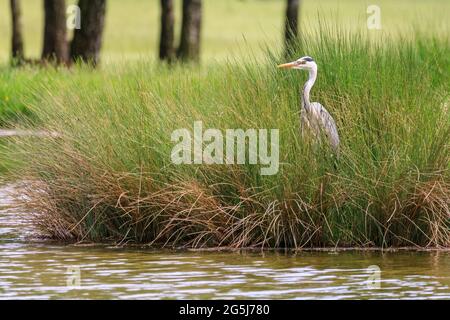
(314, 118)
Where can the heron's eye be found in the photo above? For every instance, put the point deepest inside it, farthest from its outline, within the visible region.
(301, 62)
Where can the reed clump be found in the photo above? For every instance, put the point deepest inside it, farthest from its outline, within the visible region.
(109, 175)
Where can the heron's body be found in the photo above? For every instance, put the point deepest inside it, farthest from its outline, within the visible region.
(317, 122)
(315, 119)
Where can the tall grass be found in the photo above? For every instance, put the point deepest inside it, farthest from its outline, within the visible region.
(109, 177)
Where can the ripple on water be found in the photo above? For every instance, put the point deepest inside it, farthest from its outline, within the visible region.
(39, 271)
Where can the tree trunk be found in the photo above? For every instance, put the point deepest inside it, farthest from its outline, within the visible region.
(17, 40)
(87, 40)
(166, 42)
(55, 32)
(189, 48)
(291, 23)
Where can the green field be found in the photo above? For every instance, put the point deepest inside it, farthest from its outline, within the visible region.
(108, 176)
(249, 29)
(231, 26)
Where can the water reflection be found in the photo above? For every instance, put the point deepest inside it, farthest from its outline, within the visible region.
(41, 271)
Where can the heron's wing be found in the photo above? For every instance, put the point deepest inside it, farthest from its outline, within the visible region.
(327, 122)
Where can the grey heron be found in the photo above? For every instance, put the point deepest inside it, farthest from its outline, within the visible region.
(313, 116)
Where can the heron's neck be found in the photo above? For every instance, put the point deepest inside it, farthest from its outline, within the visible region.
(306, 103)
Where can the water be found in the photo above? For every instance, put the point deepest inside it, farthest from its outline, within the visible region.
(42, 270)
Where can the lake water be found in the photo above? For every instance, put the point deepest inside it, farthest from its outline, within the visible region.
(33, 270)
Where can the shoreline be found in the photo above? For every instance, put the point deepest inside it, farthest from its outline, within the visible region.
(8, 133)
(231, 249)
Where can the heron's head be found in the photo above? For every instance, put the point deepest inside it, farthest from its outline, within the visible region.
(304, 63)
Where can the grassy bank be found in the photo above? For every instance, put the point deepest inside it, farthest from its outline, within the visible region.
(132, 33)
(109, 175)
(14, 84)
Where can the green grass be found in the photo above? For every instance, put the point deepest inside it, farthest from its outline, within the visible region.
(13, 84)
(239, 28)
(109, 175)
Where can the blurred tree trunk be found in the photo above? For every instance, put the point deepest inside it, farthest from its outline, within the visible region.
(87, 41)
(55, 32)
(189, 48)
(291, 22)
(166, 43)
(17, 39)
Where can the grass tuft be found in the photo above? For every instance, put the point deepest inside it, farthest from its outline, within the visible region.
(108, 176)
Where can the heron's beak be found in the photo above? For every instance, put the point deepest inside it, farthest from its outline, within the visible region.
(289, 65)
